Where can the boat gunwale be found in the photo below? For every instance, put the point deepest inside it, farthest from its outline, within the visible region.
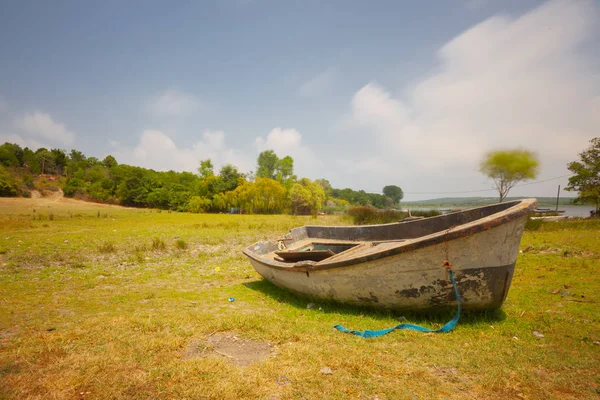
(521, 209)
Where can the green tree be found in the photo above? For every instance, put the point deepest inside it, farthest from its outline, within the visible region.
(60, 160)
(159, 198)
(30, 161)
(267, 164)
(393, 192)
(76, 156)
(198, 204)
(272, 167)
(11, 155)
(327, 189)
(269, 196)
(300, 198)
(285, 169)
(380, 201)
(92, 161)
(243, 197)
(76, 161)
(306, 197)
(208, 186)
(206, 168)
(219, 202)
(8, 184)
(133, 188)
(509, 167)
(230, 178)
(109, 161)
(45, 160)
(586, 178)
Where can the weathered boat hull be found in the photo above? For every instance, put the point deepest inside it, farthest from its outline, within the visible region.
(404, 271)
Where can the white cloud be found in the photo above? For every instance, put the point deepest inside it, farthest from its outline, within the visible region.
(506, 82)
(41, 125)
(174, 103)
(319, 84)
(156, 150)
(280, 140)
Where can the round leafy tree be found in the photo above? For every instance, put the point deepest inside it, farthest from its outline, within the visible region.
(509, 167)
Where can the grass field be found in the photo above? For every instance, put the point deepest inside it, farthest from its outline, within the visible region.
(108, 302)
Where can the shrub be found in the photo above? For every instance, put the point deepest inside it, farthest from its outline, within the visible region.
(362, 215)
(425, 213)
(73, 186)
(28, 181)
(181, 244)
(533, 224)
(387, 216)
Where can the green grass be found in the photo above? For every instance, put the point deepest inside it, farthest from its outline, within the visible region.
(76, 322)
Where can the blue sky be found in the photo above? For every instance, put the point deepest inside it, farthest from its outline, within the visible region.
(364, 94)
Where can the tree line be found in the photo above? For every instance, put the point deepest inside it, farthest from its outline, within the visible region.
(273, 189)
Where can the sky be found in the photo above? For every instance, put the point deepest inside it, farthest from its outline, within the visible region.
(362, 93)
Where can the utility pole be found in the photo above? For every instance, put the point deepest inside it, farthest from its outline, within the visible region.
(557, 196)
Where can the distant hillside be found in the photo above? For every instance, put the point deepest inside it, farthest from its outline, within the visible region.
(480, 201)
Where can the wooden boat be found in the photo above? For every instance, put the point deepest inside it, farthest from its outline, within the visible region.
(399, 265)
(545, 211)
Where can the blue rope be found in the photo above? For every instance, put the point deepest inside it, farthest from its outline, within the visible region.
(446, 328)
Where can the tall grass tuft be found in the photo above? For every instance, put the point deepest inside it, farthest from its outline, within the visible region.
(107, 247)
(181, 244)
(533, 224)
(140, 248)
(158, 244)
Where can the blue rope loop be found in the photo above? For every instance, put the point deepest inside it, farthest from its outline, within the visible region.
(444, 329)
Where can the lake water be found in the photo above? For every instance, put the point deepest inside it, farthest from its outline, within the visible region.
(576, 211)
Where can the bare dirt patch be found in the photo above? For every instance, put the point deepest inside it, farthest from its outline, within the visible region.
(229, 346)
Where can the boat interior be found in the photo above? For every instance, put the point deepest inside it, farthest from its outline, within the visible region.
(310, 245)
